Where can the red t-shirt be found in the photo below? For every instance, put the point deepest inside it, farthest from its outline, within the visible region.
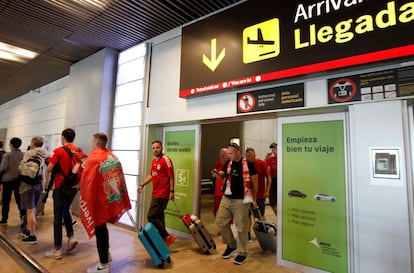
(272, 163)
(61, 157)
(218, 182)
(161, 171)
(262, 172)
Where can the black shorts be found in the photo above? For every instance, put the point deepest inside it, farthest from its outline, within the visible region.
(273, 193)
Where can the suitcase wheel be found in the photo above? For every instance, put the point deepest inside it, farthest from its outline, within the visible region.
(169, 260)
(161, 265)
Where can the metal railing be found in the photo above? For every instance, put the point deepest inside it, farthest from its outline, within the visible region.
(18, 254)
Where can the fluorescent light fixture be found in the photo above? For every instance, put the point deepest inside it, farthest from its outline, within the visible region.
(16, 54)
(94, 4)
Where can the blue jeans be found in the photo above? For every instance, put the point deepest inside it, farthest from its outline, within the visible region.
(61, 210)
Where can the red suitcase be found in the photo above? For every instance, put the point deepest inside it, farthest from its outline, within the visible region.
(199, 232)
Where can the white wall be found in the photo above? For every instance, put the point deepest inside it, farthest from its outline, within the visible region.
(380, 206)
(35, 113)
(259, 134)
(83, 100)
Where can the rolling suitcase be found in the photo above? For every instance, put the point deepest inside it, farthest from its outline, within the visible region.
(153, 243)
(199, 232)
(265, 231)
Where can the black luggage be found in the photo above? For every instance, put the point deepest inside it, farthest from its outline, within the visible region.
(265, 231)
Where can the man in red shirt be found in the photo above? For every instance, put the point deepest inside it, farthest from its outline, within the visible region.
(263, 183)
(218, 180)
(263, 179)
(62, 201)
(162, 178)
(271, 160)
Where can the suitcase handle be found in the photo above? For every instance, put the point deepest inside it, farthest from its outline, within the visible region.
(132, 220)
(255, 211)
(175, 204)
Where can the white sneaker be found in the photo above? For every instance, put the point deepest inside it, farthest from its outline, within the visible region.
(99, 268)
(72, 243)
(54, 254)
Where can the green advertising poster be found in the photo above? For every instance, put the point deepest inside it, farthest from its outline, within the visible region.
(179, 146)
(314, 195)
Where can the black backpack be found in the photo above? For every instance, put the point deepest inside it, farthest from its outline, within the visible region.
(30, 171)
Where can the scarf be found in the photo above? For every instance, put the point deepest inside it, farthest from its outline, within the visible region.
(246, 182)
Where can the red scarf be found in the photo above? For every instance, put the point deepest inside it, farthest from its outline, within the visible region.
(246, 180)
(103, 195)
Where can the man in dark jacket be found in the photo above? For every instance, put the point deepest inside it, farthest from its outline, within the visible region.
(10, 173)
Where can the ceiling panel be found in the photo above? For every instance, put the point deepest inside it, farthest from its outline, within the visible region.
(66, 31)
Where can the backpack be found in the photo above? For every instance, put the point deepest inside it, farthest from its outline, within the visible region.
(75, 169)
(30, 171)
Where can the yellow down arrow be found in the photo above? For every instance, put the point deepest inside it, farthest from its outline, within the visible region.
(214, 61)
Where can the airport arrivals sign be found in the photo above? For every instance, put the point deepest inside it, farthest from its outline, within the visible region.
(260, 41)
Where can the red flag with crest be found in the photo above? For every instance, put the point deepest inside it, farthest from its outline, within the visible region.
(103, 192)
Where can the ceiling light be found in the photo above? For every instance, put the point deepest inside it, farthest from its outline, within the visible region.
(88, 4)
(16, 54)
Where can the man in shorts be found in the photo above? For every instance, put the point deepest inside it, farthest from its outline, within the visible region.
(30, 194)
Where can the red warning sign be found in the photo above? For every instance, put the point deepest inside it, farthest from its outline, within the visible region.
(246, 103)
(342, 90)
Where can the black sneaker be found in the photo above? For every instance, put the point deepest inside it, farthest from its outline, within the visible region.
(228, 252)
(30, 240)
(240, 259)
(25, 233)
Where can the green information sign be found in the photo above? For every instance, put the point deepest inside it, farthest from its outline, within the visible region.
(314, 195)
(179, 146)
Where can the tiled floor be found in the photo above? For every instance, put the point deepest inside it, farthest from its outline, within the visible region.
(130, 256)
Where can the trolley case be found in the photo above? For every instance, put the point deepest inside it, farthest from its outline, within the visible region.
(265, 231)
(153, 243)
(199, 232)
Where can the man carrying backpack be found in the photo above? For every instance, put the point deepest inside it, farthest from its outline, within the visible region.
(67, 157)
(31, 185)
